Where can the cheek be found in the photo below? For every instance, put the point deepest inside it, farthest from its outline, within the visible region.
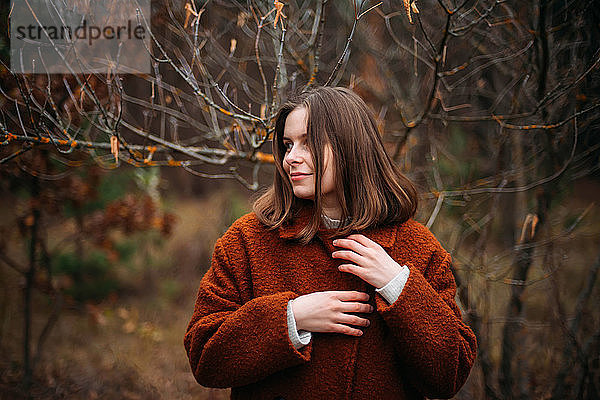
(328, 174)
(327, 183)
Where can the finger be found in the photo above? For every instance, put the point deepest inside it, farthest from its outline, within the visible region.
(363, 240)
(353, 307)
(353, 320)
(347, 295)
(348, 255)
(352, 269)
(345, 329)
(350, 244)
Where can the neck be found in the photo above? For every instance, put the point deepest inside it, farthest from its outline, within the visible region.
(332, 212)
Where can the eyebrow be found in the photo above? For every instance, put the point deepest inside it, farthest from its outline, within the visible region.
(303, 135)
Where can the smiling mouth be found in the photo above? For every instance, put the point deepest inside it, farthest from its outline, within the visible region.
(299, 176)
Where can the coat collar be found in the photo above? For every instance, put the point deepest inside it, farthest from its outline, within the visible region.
(384, 235)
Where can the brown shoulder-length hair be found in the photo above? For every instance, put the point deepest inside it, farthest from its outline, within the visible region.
(371, 189)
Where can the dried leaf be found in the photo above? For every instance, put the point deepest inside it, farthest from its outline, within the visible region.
(407, 9)
(408, 6)
(278, 6)
(189, 11)
(531, 221)
(114, 147)
(414, 8)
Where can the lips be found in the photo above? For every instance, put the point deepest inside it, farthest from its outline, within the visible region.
(297, 176)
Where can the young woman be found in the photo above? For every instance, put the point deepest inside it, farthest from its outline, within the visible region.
(330, 289)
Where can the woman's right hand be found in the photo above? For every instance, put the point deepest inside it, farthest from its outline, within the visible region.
(327, 311)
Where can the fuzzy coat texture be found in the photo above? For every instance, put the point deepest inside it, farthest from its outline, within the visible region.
(414, 348)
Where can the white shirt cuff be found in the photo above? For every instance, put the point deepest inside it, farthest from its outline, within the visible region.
(393, 289)
(299, 338)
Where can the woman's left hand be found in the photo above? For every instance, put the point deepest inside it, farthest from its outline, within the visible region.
(371, 262)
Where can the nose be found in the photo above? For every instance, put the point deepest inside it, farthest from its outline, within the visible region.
(293, 156)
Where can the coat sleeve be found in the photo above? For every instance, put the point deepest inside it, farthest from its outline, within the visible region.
(435, 346)
(231, 342)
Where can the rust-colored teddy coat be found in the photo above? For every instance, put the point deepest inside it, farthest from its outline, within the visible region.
(238, 336)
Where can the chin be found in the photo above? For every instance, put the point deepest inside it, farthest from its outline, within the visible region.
(303, 195)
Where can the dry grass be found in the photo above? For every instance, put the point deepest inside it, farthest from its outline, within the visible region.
(130, 346)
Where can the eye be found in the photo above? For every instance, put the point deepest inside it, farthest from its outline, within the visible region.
(287, 145)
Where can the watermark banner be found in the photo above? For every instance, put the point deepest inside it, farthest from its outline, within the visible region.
(80, 36)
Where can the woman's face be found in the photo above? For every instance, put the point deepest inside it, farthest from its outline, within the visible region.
(298, 160)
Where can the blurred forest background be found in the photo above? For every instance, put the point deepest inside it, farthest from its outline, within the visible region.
(114, 187)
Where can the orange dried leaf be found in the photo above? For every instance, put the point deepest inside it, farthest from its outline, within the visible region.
(278, 6)
(534, 222)
(414, 8)
(407, 9)
(189, 11)
(114, 147)
(410, 6)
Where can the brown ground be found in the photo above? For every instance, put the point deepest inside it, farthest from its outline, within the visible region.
(131, 345)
